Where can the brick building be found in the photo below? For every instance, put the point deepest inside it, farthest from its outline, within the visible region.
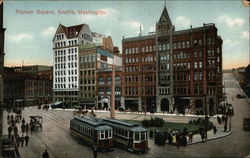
(173, 70)
(94, 65)
(23, 89)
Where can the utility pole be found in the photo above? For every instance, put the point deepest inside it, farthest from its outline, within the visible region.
(112, 112)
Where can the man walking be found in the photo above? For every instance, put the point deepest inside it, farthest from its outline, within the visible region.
(22, 140)
(18, 140)
(95, 152)
(26, 139)
(45, 154)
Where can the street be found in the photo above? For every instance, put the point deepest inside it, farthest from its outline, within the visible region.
(56, 138)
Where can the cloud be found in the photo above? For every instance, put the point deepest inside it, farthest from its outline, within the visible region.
(230, 43)
(152, 29)
(182, 21)
(133, 25)
(231, 22)
(245, 35)
(49, 31)
(19, 37)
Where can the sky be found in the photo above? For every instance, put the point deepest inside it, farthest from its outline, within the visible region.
(28, 38)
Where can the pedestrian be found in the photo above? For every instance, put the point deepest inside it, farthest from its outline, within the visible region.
(27, 128)
(26, 139)
(225, 128)
(95, 152)
(190, 137)
(15, 130)
(8, 119)
(9, 130)
(32, 128)
(18, 140)
(23, 128)
(178, 140)
(22, 140)
(23, 121)
(214, 129)
(45, 154)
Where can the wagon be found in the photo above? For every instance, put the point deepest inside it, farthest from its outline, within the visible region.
(37, 122)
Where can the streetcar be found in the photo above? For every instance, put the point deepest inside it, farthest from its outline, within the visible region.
(128, 135)
(93, 132)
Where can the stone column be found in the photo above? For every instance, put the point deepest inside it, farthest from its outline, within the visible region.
(123, 102)
(192, 104)
(171, 104)
(158, 104)
(139, 104)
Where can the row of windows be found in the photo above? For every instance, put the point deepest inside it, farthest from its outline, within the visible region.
(88, 95)
(68, 93)
(82, 129)
(64, 85)
(59, 36)
(198, 75)
(131, 60)
(87, 81)
(87, 88)
(131, 69)
(164, 67)
(108, 90)
(163, 91)
(63, 52)
(131, 79)
(72, 57)
(164, 77)
(105, 134)
(63, 44)
(164, 57)
(87, 72)
(63, 65)
(88, 58)
(182, 90)
(181, 55)
(109, 80)
(131, 90)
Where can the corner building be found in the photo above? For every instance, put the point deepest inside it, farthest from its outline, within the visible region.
(173, 70)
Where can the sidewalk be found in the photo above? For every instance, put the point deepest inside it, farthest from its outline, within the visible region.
(210, 136)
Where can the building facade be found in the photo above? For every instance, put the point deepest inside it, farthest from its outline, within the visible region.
(173, 70)
(66, 44)
(23, 89)
(95, 60)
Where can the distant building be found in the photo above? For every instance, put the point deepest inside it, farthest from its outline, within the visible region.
(173, 70)
(22, 89)
(35, 68)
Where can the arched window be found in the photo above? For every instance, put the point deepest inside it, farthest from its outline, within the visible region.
(109, 80)
(117, 80)
(101, 80)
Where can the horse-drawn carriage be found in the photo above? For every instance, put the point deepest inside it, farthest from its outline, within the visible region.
(36, 122)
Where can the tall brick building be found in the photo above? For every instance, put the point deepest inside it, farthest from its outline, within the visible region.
(173, 70)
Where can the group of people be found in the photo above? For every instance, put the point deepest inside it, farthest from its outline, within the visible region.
(177, 138)
(13, 131)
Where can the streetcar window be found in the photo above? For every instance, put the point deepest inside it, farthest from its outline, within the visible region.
(126, 134)
(106, 134)
(137, 138)
(143, 136)
(110, 134)
(101, 134)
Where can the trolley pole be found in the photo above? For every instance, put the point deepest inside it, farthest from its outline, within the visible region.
(112, 112)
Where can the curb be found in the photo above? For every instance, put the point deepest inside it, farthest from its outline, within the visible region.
(227, 134)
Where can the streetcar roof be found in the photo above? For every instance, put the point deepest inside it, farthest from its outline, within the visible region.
(138, 129)
(103, 128)
(88, 121)
(120, 123)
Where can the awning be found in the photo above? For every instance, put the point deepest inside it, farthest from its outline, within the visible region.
(57, 103)
(105, 100)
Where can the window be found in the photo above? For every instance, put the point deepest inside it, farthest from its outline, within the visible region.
(101, 80)
(137, 137)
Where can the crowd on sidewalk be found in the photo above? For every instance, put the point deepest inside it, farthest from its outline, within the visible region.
(19, 137)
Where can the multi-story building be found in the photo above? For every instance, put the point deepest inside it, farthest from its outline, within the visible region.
(94, 59)
(66, 44)
(173, 70)
(23, 89)
(35, 68)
